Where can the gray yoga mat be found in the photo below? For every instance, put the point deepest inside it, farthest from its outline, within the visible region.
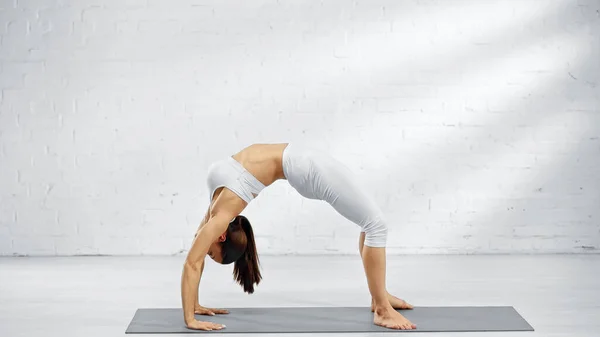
(332, 319)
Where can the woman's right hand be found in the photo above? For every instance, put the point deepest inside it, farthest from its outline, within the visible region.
(199, 325)
(200, 310)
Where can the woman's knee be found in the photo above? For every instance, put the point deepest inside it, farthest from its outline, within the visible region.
(376, 233)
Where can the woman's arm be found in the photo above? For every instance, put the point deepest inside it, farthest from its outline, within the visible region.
(204, 220)
(197, 303)
(194, 264)
(202, 223)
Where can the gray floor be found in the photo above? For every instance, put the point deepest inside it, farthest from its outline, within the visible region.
(97, 296)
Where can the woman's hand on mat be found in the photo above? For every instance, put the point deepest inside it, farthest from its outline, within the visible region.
(199, 325)
(200, 310)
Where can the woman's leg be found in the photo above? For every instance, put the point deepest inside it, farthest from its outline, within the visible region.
(335, 184)
(395, 302)
(317, 176)
(385, 315)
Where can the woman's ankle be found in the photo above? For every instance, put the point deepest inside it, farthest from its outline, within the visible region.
(382, 307)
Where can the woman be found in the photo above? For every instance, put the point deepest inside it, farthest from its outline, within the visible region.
(234, 182)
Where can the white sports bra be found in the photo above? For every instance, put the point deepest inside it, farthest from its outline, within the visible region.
(231, 174)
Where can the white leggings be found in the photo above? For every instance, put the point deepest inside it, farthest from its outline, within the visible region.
(316, 175)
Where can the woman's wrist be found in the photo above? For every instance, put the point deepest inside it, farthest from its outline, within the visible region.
(189, 319)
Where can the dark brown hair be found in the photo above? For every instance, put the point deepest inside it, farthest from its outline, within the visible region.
(239, 247)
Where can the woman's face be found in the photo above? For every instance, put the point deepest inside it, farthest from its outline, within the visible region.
(215, 251)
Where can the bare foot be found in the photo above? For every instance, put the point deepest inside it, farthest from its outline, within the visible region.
(391, 319)
(396, 303)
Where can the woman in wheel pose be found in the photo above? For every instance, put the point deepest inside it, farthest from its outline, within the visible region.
(227, 237)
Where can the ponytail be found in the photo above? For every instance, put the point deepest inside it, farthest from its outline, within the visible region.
(240, 248)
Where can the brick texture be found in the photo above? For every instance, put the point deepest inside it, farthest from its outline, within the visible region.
(474, 124)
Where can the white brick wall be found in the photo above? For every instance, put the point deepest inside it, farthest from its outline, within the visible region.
(475, 124)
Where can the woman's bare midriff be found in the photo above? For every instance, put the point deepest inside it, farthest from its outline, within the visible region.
(263, 161)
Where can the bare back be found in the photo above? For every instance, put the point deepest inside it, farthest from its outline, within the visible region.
(263, 161)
